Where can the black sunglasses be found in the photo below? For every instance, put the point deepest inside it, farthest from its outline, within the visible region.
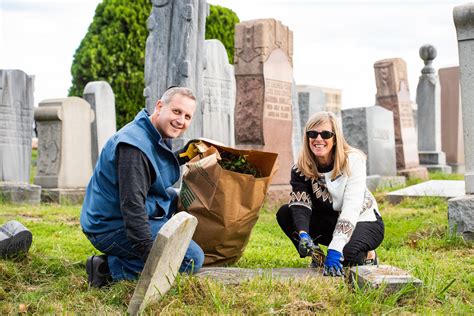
(324, 134)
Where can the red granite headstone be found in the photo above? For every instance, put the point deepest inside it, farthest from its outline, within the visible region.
(264, 72)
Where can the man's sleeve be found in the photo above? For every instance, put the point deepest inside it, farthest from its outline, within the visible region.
(135, 176)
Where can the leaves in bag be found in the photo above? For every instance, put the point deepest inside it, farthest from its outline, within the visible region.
(238, 163)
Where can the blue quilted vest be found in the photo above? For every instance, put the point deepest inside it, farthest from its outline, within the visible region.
(101, 208)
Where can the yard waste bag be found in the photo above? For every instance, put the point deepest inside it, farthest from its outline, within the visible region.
(226, 203)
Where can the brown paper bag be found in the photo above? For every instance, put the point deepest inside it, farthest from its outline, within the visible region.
(226, 203)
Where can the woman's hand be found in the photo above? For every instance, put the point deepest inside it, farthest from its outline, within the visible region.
(333, 265)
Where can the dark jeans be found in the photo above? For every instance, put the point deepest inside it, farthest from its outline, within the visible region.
(125, 264)
(366, 236)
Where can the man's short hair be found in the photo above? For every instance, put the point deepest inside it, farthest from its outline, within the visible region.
(171, 92)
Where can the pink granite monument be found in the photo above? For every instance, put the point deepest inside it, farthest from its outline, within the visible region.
(264, 74)
(394, 95)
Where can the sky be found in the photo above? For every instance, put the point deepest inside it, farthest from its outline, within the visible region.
(336, 43)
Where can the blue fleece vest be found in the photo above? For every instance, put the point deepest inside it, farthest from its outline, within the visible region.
(101, 208)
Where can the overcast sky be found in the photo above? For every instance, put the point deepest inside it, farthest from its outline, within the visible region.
(336, 42)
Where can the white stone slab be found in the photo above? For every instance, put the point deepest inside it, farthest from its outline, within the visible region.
(442, 188)
(164, 261)
(375, 276)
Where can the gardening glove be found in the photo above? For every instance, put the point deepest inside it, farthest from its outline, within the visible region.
(305, 245)
(188, 152)
(333, 265)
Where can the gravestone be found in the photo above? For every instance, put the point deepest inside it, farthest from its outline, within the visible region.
(174, 55)
(393, 94)
(219, 94)
(452, 143)
(429, 115)
(164, 261)
(16, 130)
(100, 96)
(64, 148)
(312, 99)
(370, 129)
(391, 278)
(461, 210)
(264, 76)
(297, 129)
(439, 188)
(14, 239)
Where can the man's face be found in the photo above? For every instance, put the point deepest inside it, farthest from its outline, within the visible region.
(173, 119)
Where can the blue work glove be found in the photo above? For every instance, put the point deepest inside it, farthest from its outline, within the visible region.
(333, 265)
(305, 245)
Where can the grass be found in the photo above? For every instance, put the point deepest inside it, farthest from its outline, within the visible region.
(52, 278)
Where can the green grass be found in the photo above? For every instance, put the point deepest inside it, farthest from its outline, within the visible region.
(52, 278)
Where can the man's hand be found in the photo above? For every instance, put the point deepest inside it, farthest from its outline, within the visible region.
(333, 265)
(306, 245)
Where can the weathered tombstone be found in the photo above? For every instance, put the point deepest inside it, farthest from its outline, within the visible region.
(100, 96)
(174, 54)
(297, 129)
(14, 239)
(312, 99)
(64, 155)
(391, 278)
(461, 210)
(163, 262)
(393, 94)
(16, 130)
(219, 94)
(264, 75)
(440, 188)
(429, 115)
(452, 143)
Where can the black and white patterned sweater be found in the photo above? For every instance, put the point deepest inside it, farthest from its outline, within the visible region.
(347, 195)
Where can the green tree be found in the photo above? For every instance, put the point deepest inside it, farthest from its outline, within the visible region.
(113, 50)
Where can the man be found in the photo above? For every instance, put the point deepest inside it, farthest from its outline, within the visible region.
(129, 197)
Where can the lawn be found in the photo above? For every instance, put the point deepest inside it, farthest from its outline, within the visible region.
(52, 277)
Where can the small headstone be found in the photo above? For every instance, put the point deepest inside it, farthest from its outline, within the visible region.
(392, 278)
(164, 261)
(64, 155)
(312, 99)
(393, 94)
(461, 211)
(370, 129)
(219, 94)
(437, 188)
(264, 77)
(429, 115)
(174, 55)
(14, 239)
(100, 96)
(16, 130)
(452, 143)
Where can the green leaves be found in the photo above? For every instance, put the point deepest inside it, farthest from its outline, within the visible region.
(238, 164)
(220, 24)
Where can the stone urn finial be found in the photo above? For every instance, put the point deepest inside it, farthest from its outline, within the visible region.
(428, 53)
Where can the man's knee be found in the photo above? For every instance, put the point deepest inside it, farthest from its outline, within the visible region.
(193, 260)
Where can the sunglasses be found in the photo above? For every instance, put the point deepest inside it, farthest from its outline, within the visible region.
(324, 134)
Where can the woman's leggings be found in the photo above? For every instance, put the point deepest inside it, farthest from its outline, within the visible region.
(366, 236)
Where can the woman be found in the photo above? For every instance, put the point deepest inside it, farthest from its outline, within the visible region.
(330, 203)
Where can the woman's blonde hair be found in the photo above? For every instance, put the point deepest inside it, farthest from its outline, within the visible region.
(307, 162)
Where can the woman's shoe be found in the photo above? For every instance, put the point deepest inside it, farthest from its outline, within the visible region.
(373, 261)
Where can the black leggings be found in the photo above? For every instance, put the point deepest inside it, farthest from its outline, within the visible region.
(366, 236)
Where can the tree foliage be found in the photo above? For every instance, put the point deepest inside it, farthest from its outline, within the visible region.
(113, 50)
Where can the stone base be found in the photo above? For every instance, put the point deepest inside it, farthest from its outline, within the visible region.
(438, 168)
(412, 173)
(376, 276)
(457, 168)
(461, 216)
(63, 196)
(440, 188)
(278, 195)
(375, 182)
(17, 192)
(432, 158)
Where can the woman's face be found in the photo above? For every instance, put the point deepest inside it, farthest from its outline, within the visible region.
(322, 148)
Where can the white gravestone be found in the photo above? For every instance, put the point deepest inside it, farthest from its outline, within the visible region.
(100, 96)
(219, 94)
(164, 261)
(64, 146)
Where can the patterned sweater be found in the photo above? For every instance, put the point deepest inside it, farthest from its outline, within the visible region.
(347, 195)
